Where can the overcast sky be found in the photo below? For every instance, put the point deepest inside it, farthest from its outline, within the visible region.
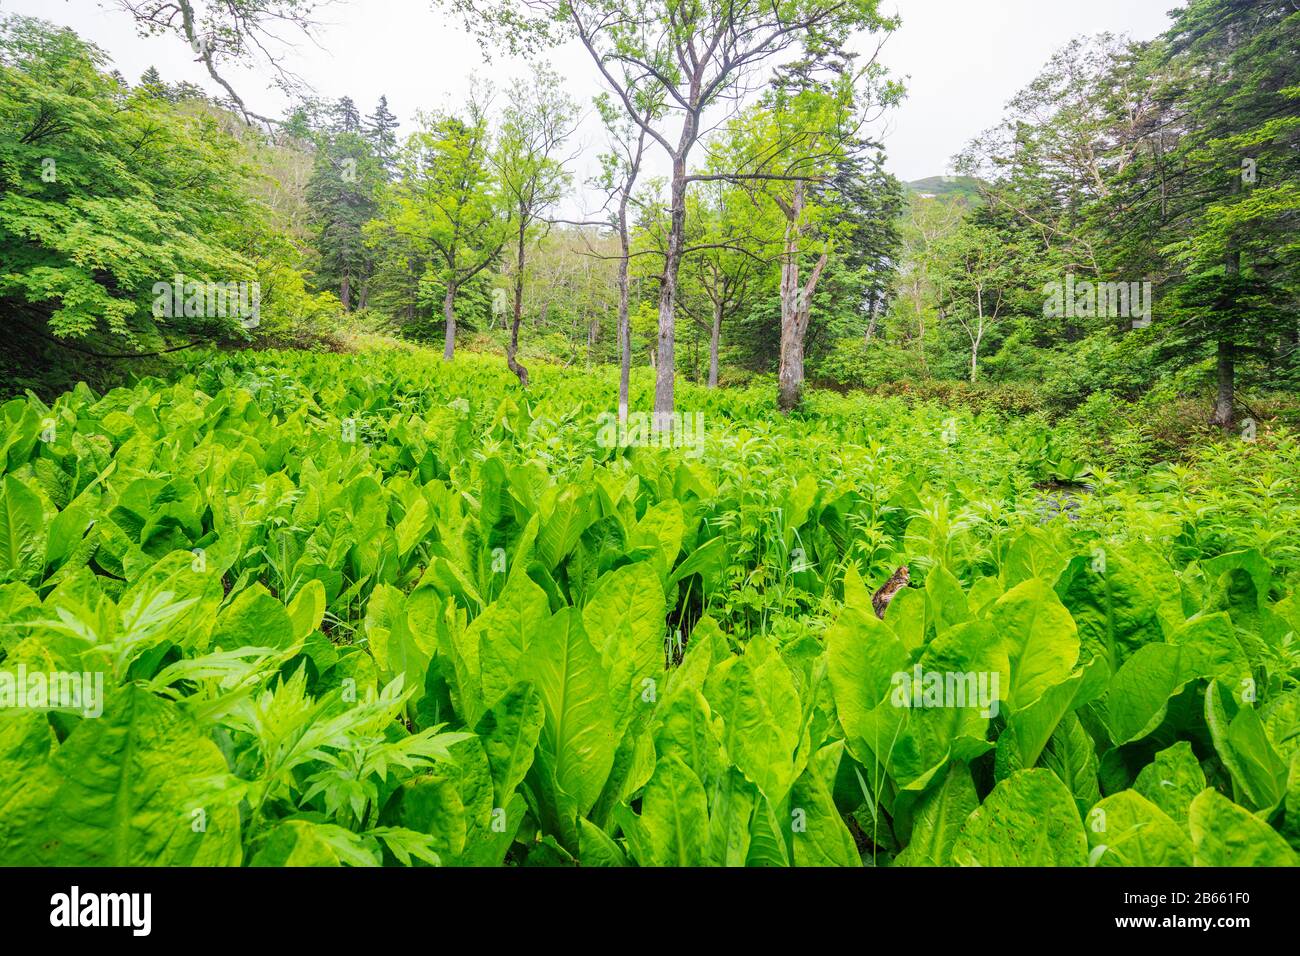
(963, 59)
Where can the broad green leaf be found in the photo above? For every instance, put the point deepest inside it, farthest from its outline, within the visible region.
(1139, 694)
(732, 802)
(255, 613)
(1172, 780)
(1224, 834)
(863, 655)
(674, 817)
(1127, 829)
(1211, 649)
(1258, 773)
(755, 697)
(939, 818)
(685, 729)
(509, 732)
(597, 848)
(128, 790)
(818, 833)
(307, 609)
(1071, 756)
(625, 616)
(1028, 820)
(576, 747)
(504, 630)
(945, 599)
(1114, 605)
(432, 804)
(1027, 731)
(1041, 640)
(22, 533)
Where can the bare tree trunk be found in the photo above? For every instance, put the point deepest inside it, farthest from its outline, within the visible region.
(512, 349)
(1226, 366)
(790, 376)
(715, 335)
(1225, 373)
(787, 377)
(624, 324)
(413, 294)
(796, 307)
(871, 320)
(664, 402)
(978, 336)
(345, 293)
(449, 313)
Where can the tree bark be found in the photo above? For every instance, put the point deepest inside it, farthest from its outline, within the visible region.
(1226, 366)
(714, 336)
(512, 349)
(449, 314)
(624, 323)
(665, 367)
(796, 306)
(978, 336)
(345, 293)
(790, 376)
(1225, 374)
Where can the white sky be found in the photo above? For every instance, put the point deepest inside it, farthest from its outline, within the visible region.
(963, 59)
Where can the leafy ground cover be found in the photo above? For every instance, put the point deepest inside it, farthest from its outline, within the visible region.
(377, 609)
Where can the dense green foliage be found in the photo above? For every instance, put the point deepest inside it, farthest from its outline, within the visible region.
(1023, 589)
(377, 609)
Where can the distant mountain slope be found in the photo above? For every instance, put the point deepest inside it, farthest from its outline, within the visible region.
(965, 186)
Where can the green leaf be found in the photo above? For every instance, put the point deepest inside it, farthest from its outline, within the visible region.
(1224, 834)
(939, 818)
(626, 617)
(432, 804)
(862, 657)
(1139, 694)
(1070, 754)
(576, 747)
(945, 599)
(1172, 780)
(1243, 745)
(674, 817)
(503, 631)
(1127, 829)
(685, 729)
(755, 696)
(308, 843)
(819, 836)
(509, 733)
(1028, 731)
(560, 532)
(140, 786)
(1028, 820)
(1211, 648)
(1041, 639)
(597, 848)
(732, 802)
(1114, 605)
(253, 612)
(22, 533)
(307, 609)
